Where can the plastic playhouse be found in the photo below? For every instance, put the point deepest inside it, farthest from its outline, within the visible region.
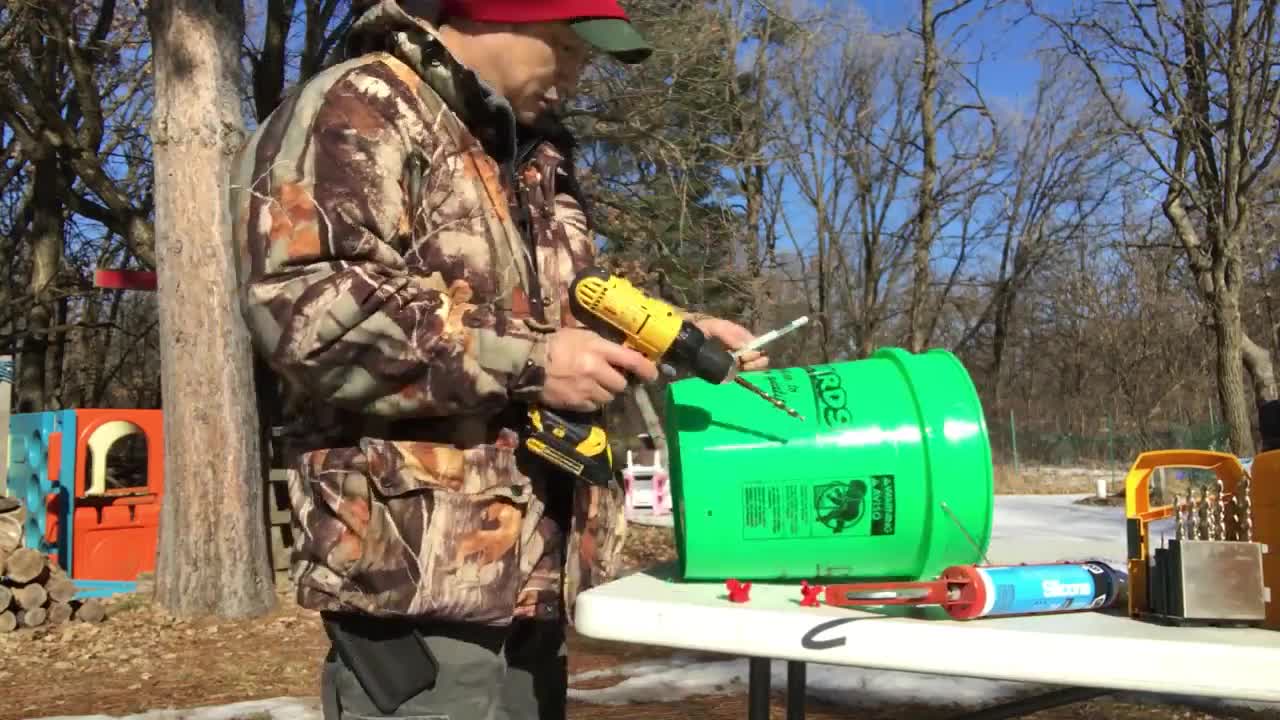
(99, 519)
(647, 486)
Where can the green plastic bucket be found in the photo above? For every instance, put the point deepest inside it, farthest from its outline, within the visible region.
(888, 476)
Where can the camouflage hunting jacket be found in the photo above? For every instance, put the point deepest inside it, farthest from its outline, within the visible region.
(404, 254)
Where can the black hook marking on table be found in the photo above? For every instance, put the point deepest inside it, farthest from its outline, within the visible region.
(810, 641)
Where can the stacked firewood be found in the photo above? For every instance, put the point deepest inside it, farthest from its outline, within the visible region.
(34, 590)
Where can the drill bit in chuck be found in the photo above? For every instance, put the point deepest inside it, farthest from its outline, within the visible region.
(767, 398)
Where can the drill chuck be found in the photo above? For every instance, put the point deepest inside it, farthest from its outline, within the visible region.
(705, 359)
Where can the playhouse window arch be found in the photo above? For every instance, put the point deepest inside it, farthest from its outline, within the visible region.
(116, 457)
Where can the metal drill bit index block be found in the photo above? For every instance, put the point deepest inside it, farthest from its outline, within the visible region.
(1210, 581)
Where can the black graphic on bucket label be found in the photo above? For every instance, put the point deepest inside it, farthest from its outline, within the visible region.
(776, 511)
(829, 395)
(857, 507)
(840, 506)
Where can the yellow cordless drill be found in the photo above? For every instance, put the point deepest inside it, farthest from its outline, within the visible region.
(619, 311)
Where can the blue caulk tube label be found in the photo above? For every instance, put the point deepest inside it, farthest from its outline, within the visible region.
(1026, 589)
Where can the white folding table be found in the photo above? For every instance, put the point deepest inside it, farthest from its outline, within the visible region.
(1088, 654)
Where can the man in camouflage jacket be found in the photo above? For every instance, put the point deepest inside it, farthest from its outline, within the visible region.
(408, 225)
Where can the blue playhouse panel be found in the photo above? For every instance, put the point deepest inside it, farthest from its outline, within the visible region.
(86, 589)
(29, 481)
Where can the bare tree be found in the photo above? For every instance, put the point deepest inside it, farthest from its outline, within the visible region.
(849, 117)
(73, 125)
(278, 60)
(941, 108)
(1060, 168)
(865, 159)
(72, 85)
(1206, 108)
(213, 555)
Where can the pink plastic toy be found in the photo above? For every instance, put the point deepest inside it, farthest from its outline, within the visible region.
(647, 486)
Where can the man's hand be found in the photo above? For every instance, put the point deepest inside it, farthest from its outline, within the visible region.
(734, 336)
(585, 371)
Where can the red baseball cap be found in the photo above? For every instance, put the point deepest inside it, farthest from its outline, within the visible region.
(601, 23)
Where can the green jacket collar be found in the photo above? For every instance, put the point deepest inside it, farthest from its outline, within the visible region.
(386, 26)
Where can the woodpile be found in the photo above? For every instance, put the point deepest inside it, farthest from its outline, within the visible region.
(34, 591)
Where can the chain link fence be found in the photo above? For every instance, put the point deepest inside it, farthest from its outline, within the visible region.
(1018, 442)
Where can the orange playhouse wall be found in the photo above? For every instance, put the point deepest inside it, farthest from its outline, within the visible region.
(115, 534)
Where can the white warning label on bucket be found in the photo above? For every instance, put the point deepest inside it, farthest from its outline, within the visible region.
(776, 511)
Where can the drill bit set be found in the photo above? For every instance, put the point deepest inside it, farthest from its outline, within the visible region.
(1220, 516)
(1211, 573)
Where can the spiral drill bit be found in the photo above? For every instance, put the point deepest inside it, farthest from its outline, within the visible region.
(1193, 515)
(769, 399)
(1193, 512)
(1179, 529)
(1202, 512)
(1210, 518)
(1242, 504)
(1220, 511)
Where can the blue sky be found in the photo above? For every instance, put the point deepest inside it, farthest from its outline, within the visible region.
(1008, 70)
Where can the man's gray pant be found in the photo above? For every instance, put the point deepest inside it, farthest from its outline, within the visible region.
(525, 677)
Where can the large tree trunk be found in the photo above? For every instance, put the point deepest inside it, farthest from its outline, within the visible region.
(926, 207)
(81, 374)
(1230, 372)
(213, 555)
(1000, 338)
(46, 255)
(54, 381)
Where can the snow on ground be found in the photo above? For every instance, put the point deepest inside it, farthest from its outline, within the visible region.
(1026, 528)
(680, 678)
(850, 687)
(284, 708)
